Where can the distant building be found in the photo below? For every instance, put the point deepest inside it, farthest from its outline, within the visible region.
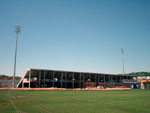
(5, 83)
(144, 82)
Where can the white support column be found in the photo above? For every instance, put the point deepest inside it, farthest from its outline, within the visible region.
(39, 78)
(65, 80)
(53, 79)
(120, 80)
(83, 81)
(98, 81)
(90, 79)
(22, 83)
(61, 79)
(80, 80)
(109, 80)
(44, 78)
(104, 80)
(116, 82)
(73, 80)
(29, 78)
(95, 81)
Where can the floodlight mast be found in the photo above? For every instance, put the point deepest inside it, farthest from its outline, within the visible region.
(17, 30)
(122, 61)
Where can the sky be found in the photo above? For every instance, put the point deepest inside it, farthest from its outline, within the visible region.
(75, 35)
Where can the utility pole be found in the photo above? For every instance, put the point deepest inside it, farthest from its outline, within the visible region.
(122, 65)
(122, 61)
(17, 30)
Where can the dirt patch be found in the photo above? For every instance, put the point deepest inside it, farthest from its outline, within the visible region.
(125, 95)
(56, 89)
(119, 95)
(17, 97)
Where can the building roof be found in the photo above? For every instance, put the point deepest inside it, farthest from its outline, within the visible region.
(71, 71)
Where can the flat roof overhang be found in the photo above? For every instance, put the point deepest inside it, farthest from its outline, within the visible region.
(33, 69)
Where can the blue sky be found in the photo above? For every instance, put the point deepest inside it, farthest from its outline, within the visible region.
(77, 35)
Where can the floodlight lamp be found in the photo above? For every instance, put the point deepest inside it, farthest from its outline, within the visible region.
(17, 28)
(122, 50)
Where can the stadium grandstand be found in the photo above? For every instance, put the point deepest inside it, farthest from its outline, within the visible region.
(42, 78)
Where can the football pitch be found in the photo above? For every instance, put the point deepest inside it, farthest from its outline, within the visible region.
(124, 101)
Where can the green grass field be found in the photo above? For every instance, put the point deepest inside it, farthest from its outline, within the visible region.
(126, 101)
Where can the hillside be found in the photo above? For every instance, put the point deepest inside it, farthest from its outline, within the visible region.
(139, 74)
(7, 77)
